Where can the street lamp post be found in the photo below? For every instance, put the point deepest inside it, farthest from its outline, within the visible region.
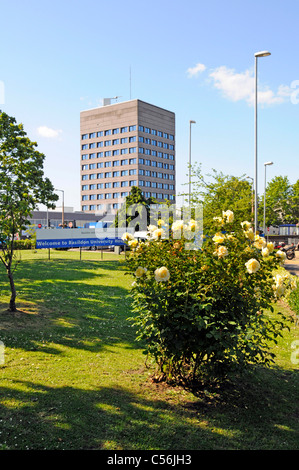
(257, 55)
(190, 122)
(265, 165)
(62, 212)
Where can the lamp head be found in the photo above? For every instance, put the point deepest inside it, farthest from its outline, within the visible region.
(262, 54)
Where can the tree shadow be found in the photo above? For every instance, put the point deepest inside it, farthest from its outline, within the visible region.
(36, 416)
(63, 304)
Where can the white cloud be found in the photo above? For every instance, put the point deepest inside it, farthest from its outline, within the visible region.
(238, 86)
(194, 71)
(47, 132)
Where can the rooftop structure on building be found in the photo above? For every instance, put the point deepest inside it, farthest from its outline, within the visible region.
(126, 144)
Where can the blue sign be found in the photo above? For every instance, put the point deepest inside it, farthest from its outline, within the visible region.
(79, 242)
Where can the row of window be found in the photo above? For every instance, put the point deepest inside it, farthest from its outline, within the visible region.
(123, 184)
(147, 130)
(115, 184)
(116, 174)
(117, 130)
(109, 143)
(99, 207)
(113, 153)
(93, 166)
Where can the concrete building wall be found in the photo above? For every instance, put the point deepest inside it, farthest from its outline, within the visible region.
(123, 145)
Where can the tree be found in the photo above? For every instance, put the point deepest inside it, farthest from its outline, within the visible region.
(218, 192)
(282, 202)
(134, 199)
(22, 187)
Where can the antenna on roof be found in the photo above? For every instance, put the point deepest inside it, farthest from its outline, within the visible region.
(107, 101)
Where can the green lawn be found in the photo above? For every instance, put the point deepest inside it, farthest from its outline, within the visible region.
(75, 378)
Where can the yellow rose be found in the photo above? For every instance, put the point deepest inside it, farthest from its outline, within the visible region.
(270, 247)
(158, 233)
(218, 238)
(221, 251)
(152, 228)
(162, 274)
(265, 252)
(246, 225)
(228, 216)
(127, 236)
(249, 234)
(140, 271)
(133, 243)
(161, 222)
(281, 256)
(193, 225)
(252, 265)
(177, 225)
(260, 242)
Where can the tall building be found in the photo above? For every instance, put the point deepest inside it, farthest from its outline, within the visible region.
(123, 145)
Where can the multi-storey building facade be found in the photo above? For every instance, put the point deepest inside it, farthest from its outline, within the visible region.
(123, 145)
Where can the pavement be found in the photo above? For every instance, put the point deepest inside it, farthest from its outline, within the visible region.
(292, 265)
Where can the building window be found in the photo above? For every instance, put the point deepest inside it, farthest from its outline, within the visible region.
(100, 186)
(84, 177)
(92, 176)
(116, 163)
(115, 131)
(132, 139)
(92, 145)
(92, 166)
(124, 129)
(84, 136)
(108, 132)
(125, 162)
(92, 197)
(85, 208)
(124, 151)
(92, 155)
(100, 165)
(132, 150)
(85, 198)
(141, 128)
(100, 154)
(92, 135)
(85, 187)
(115, 142)
(116, 174)
(108, 174)
(132, 128)
(132, 172)
(108, 153)
(92, 207)
(85, 156)
(84, 146)
(124, 173)
(116, 205)
(133, 161)
(84, 167)
(107, 143)
(133, 183)
(100, 144)
(100, 134)
(116, 184)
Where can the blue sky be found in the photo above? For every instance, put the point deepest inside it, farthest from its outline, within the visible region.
(194, 58)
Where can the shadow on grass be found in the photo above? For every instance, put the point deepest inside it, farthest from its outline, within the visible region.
(61, 302)
(250, 416)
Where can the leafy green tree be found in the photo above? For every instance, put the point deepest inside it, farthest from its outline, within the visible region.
(129, 210)
(217, 192)
(22, 187)
(282, 202)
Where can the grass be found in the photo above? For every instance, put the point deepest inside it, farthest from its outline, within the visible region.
(74, 377)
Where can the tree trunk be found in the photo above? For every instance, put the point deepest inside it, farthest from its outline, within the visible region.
(12, 303)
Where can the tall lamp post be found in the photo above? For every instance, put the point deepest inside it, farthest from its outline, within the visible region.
(190, 122)
(257, 55)
(62, 215)
(265, 165)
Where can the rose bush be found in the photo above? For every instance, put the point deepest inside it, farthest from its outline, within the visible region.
(203, 313)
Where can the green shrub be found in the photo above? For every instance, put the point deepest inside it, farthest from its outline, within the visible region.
(204, 313)
(23, 244)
